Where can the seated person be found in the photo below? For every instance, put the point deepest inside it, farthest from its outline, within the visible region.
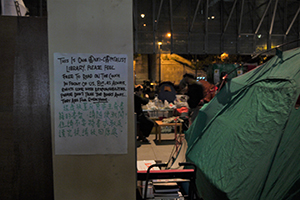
(146, 124)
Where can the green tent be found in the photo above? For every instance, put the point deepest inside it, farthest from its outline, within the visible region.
(215, 71)
(246, 141)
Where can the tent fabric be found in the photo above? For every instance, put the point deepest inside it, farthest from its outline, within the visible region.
(245, 141)
(215, 71)
(167, 92)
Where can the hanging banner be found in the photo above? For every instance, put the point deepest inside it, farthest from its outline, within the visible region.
(9, 7)
(90, 99)
(216, 76)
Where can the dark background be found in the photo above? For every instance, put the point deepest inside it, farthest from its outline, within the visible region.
(25, 125)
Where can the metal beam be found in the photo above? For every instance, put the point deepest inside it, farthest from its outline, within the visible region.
(285, 12)
(171, 19)
(264, 12)
(41, 8)
(273, 18)
(206, 27)
(278, 35)
(221, 24)
(247, 33)
(230, 16)
(153, 26)
(238, 44)
(253, 12)
(189, 33)
(158, 14)
(241, 17)
(263, 17)
(195, 14)
(135, 25)
(288, 30)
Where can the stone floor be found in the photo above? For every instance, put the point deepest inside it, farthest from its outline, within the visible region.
(154, 150)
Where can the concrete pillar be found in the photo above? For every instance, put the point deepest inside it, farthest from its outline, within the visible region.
(100, 27)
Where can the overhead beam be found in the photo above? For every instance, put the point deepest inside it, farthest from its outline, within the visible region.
(135, 24)
(195, 14)
(273, 19)
(171, 20)
(296, 15)
(158, 14)
(247, 33)
(238, 43)
(233, 7)
(263, 17)
(241, 17)
(206, 27)
(154, 26)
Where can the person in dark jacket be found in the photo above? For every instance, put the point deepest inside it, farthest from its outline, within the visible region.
(145, 124)
(195, 94)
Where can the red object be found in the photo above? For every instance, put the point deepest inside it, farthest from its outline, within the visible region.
(182, 110)
(209, 90)
(250, 67)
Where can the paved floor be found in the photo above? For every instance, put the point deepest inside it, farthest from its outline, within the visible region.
(153, 150)
(159, 152)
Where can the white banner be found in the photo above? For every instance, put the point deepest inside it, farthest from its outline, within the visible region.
(216, 76)
(239, 72)
(90, 94)
(9, 8)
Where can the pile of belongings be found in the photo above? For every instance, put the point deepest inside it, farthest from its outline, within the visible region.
(172, 120)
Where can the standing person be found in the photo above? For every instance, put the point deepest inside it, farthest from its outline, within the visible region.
(146, 124)
(183, 85)
(195, 94)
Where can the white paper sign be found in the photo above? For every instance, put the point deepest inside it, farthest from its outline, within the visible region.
(239, 72)
(90, 103)
(216, 76)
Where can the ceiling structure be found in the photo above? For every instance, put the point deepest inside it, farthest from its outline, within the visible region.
(202, 27)
(244, 27)
(36, 7)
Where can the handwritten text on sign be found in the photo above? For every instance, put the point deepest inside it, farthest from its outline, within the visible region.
(90, 103)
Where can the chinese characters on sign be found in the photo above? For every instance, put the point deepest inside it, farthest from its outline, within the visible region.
(90, 103)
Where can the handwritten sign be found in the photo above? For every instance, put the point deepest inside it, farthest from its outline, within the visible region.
(90, 103)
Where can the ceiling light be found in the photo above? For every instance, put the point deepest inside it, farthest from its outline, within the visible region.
(224, 56)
